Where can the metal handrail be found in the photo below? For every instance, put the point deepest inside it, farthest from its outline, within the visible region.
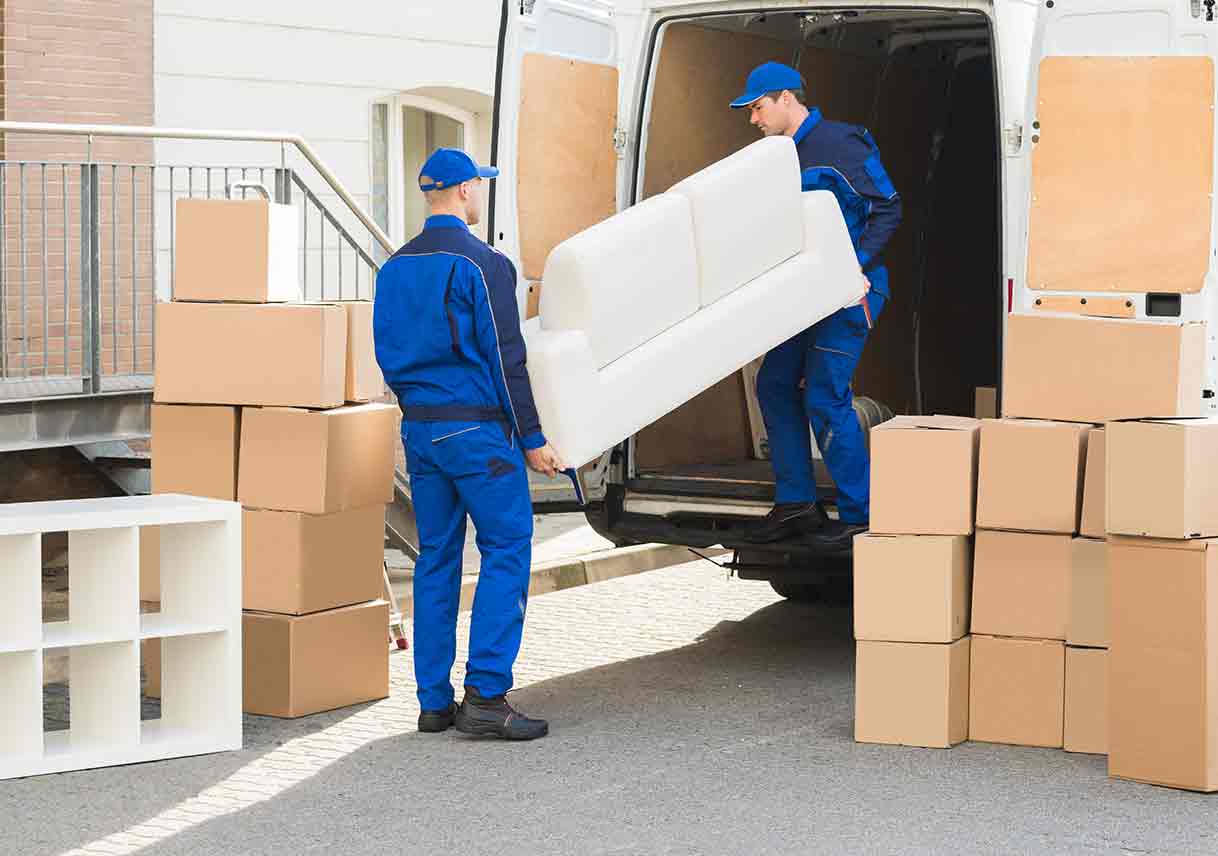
(148, 132)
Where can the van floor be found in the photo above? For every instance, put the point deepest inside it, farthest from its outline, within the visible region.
(737, 480)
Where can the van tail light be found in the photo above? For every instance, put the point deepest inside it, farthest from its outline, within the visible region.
(1010, 295)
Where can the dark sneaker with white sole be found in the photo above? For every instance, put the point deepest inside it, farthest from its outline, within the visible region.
(786, 521)
(435, 721)
(494, 717)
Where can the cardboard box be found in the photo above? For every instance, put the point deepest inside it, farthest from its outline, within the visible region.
(289, 355)
(194, 450)
(1091, 521)
(299, 563)
(150, 563)
(1017, 691)
(1163, 663)
(1086, 711)
(364, 380)
(1160, 478)
(1089, 605)
(1030, 477)
(317, 462)
(924, 475)
(985, 404)
(298, 665)
(912, 588)
(1021, 584)
(1096, 370)
(238, 251)
(911, 694)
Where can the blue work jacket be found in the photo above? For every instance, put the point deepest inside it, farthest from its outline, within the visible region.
(844, 159)
(447, 328)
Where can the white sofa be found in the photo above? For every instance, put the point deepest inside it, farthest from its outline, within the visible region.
(645, 310)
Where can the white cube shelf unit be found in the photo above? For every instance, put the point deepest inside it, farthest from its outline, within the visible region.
(199, 625)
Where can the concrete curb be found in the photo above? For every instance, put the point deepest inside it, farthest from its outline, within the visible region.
(559, 574)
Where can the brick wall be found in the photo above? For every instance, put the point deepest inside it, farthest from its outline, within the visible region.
(75, 61)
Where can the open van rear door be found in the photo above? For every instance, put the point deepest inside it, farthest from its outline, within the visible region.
(1119, 148)
(553, 138)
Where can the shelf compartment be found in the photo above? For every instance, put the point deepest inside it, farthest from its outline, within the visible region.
(21, 709)
(21, 583)
(158, 625)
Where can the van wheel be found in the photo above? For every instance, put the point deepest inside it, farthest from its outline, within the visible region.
(798, 592)
(835, 591)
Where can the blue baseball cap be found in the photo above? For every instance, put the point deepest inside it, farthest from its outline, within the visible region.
(447, 167)
(766, 78)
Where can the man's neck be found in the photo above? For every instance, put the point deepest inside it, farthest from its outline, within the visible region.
(797, 119)
(451, 211)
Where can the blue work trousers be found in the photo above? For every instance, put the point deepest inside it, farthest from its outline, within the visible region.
(807, 380)
(473, 470)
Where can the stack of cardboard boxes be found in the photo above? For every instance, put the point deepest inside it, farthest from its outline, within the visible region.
(269, 402)
(912, 577)
(1095, 574)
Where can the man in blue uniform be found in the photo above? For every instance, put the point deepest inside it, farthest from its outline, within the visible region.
(807, 379)
(448, 340)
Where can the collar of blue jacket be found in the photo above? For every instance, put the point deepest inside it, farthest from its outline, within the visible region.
(814, 119)
(444, 221)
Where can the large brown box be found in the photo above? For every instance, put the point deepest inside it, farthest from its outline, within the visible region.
(1017, 691)
(924, 475)
(1030, 476)
(194, 449)
(317, 462)
(298, 665)
(1095, 370)
(1021, 584)
(1089, 602)
(237, 251)
(299, 563)
(1091, 521)
(1161, 481)
(1086, 712)
(912, 694)
(1163, 663)
(911, 588)
(289, 355)
(364, 380)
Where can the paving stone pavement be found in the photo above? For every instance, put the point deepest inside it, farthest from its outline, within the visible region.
(691, 715)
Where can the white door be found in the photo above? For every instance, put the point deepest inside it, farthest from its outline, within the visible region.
(555, 116)
(1119, 162)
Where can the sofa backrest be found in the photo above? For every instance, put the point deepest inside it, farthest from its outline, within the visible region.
(626, 279)
(747, 215)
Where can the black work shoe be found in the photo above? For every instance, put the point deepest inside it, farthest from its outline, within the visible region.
(434, 721)
(788, 520)
(496, 718)
(836, 535)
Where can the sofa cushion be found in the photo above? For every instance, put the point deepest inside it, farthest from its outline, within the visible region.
(624, 280)
(747, 215)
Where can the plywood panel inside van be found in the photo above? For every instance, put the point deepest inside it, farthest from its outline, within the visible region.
(1094, 225)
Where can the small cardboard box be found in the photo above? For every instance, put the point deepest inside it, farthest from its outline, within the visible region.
(317, 462)
(1086, 717)
(1021, 584)
(1091, 522)
(287, 355)
(1017, 691)
(1161, 480)
(364, 381)
(924, 475)
(1096, 370)
(1088, 626)
(911, 588)
(911, 694)
(985, 403)
(1163, 663)
(299, 563)
(1030, 477)
(298, 665)
(236, 251)
(194, 450)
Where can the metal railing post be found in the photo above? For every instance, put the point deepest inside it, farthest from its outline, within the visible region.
(283, 186)
(90, 272)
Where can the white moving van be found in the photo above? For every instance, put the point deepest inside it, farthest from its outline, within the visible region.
(603, 104)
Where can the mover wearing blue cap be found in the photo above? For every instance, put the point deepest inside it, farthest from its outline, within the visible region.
(447, 333)
(807, 379)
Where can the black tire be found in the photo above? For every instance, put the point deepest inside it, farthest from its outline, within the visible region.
(836, 591)
(798, 592)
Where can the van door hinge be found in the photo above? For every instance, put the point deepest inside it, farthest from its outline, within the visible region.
(619, 142)
(1012, 136)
